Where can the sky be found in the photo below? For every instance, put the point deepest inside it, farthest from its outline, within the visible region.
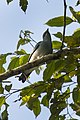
(12, 20)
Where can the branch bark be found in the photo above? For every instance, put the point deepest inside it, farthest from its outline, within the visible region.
(38, 62)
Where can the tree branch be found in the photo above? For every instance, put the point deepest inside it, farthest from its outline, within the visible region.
(28, 66)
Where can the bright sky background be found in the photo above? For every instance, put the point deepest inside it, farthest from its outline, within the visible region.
(12, 20)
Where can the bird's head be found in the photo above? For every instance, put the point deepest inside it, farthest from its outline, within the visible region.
(46, 35)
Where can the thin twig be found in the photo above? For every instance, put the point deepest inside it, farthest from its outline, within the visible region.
(72, 83)
(31, 44)
(13, 93)
(32, 39)
(64, 28)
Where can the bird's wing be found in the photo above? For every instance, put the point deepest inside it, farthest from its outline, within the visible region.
(35, 48)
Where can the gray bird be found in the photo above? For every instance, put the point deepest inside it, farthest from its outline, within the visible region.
(42, 48)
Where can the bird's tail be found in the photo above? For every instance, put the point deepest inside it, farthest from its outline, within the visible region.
(23, 77)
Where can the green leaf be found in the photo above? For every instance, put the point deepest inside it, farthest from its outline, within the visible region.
(2, 100)
(75, 14)
(49, 71)
(23, 59)
(59, 65)
(21, 52)
(66, 94)
(36, 107)
(59, 21)
(76, 33)
(76, 108)
(40, 87)
(45, 101)
(56, 108)
(52, 117)
(27, 91)
(73, 106)
(50, 89)
(58, 35)
(8, 87)
(56, 44)
(74, 40)
(76, 95)
(36, 88)
(59, 117)
(78, 79)
(8, 1)
(52, 67)
(3, 58)
(14, 63)
(34, 104)
(67, 79)
(5, 115)
(71, 41)
(23, 4)
(1, 89)
(22, 42)
(38, 69)
(2, 69)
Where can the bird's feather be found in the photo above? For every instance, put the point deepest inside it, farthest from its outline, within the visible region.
(35, 48)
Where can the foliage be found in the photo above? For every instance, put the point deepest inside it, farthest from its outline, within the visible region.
(59, 21)
(22, 3)
(54, 91)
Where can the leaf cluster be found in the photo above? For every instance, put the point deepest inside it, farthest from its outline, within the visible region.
(22, 3)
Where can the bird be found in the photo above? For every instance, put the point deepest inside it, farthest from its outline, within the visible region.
(41, 49)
